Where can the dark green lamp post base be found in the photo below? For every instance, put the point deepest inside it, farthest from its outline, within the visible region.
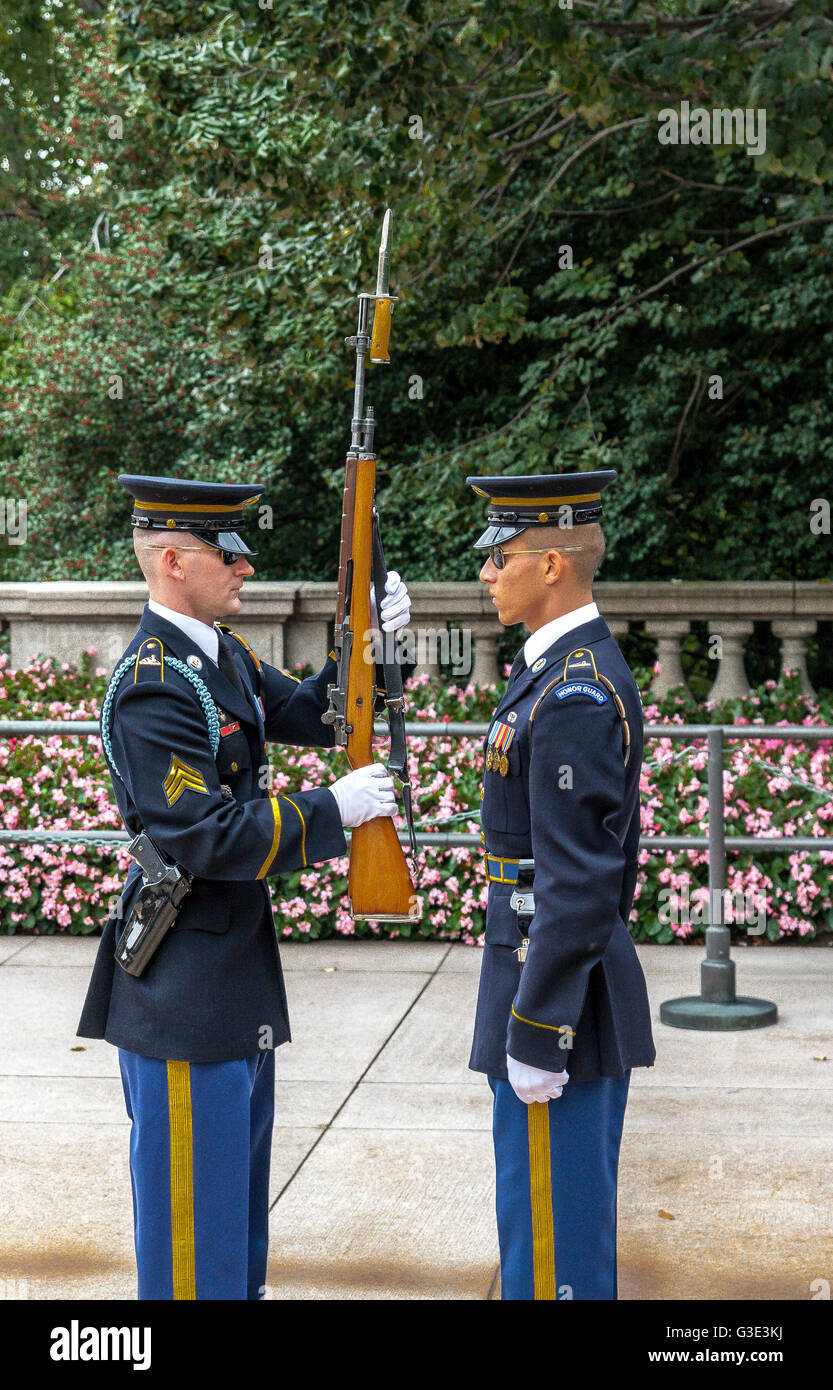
(712, 1016)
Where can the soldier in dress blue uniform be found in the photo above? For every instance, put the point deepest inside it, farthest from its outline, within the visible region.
(562, 1010)
(188, 712)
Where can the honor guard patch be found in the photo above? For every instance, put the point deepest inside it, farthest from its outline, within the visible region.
(581, 688)
(182, 778)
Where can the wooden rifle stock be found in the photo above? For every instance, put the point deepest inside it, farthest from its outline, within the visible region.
(380, 884)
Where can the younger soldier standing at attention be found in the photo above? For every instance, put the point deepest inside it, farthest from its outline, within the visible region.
(562, 1010)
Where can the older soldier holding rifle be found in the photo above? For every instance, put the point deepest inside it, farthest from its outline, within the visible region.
(194, 999)
(562, 1010)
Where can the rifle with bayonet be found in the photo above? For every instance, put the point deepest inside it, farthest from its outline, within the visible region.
(380, 884)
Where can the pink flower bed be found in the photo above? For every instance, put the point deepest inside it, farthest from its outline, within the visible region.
(771, 787)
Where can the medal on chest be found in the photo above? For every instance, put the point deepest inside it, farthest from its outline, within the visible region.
(500, 739)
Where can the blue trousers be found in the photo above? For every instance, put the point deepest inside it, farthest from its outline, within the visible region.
(200, 1146)
(556, 1168)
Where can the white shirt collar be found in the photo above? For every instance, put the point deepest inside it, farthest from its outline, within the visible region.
(205, 637)
(538, 642)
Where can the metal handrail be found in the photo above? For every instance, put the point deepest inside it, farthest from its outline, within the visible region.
(716, 844)
(460, 729)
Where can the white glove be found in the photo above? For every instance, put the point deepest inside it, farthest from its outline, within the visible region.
(363, 794)
(396, 605)
(531, 1084)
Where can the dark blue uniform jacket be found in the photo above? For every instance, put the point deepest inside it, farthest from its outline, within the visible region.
(213, 991)
(568, 801)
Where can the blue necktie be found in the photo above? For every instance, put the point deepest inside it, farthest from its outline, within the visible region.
(228, 666)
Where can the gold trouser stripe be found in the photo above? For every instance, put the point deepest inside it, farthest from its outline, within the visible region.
(303, 831)
(182, 1180)
(276, 837)
(540, 1190)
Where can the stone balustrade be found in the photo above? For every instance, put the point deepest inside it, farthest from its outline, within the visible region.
(454, 627)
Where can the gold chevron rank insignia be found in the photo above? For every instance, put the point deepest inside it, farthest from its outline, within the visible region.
(182, 778)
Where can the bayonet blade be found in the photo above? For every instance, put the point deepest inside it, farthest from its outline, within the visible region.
(383, 272)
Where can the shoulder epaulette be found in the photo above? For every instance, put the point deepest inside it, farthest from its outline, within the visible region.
(579, 663)
(149, 661)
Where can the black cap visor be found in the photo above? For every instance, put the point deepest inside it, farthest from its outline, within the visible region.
(225, 540)
(496, 535)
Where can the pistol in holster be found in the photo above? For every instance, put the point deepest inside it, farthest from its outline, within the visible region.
(522, 903)
(156, 906)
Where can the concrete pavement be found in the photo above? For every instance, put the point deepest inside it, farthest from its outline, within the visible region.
(382, 1180)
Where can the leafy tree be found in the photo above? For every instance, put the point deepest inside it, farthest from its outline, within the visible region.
(571, 289)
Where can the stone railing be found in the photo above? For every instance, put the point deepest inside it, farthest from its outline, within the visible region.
(454, 628)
